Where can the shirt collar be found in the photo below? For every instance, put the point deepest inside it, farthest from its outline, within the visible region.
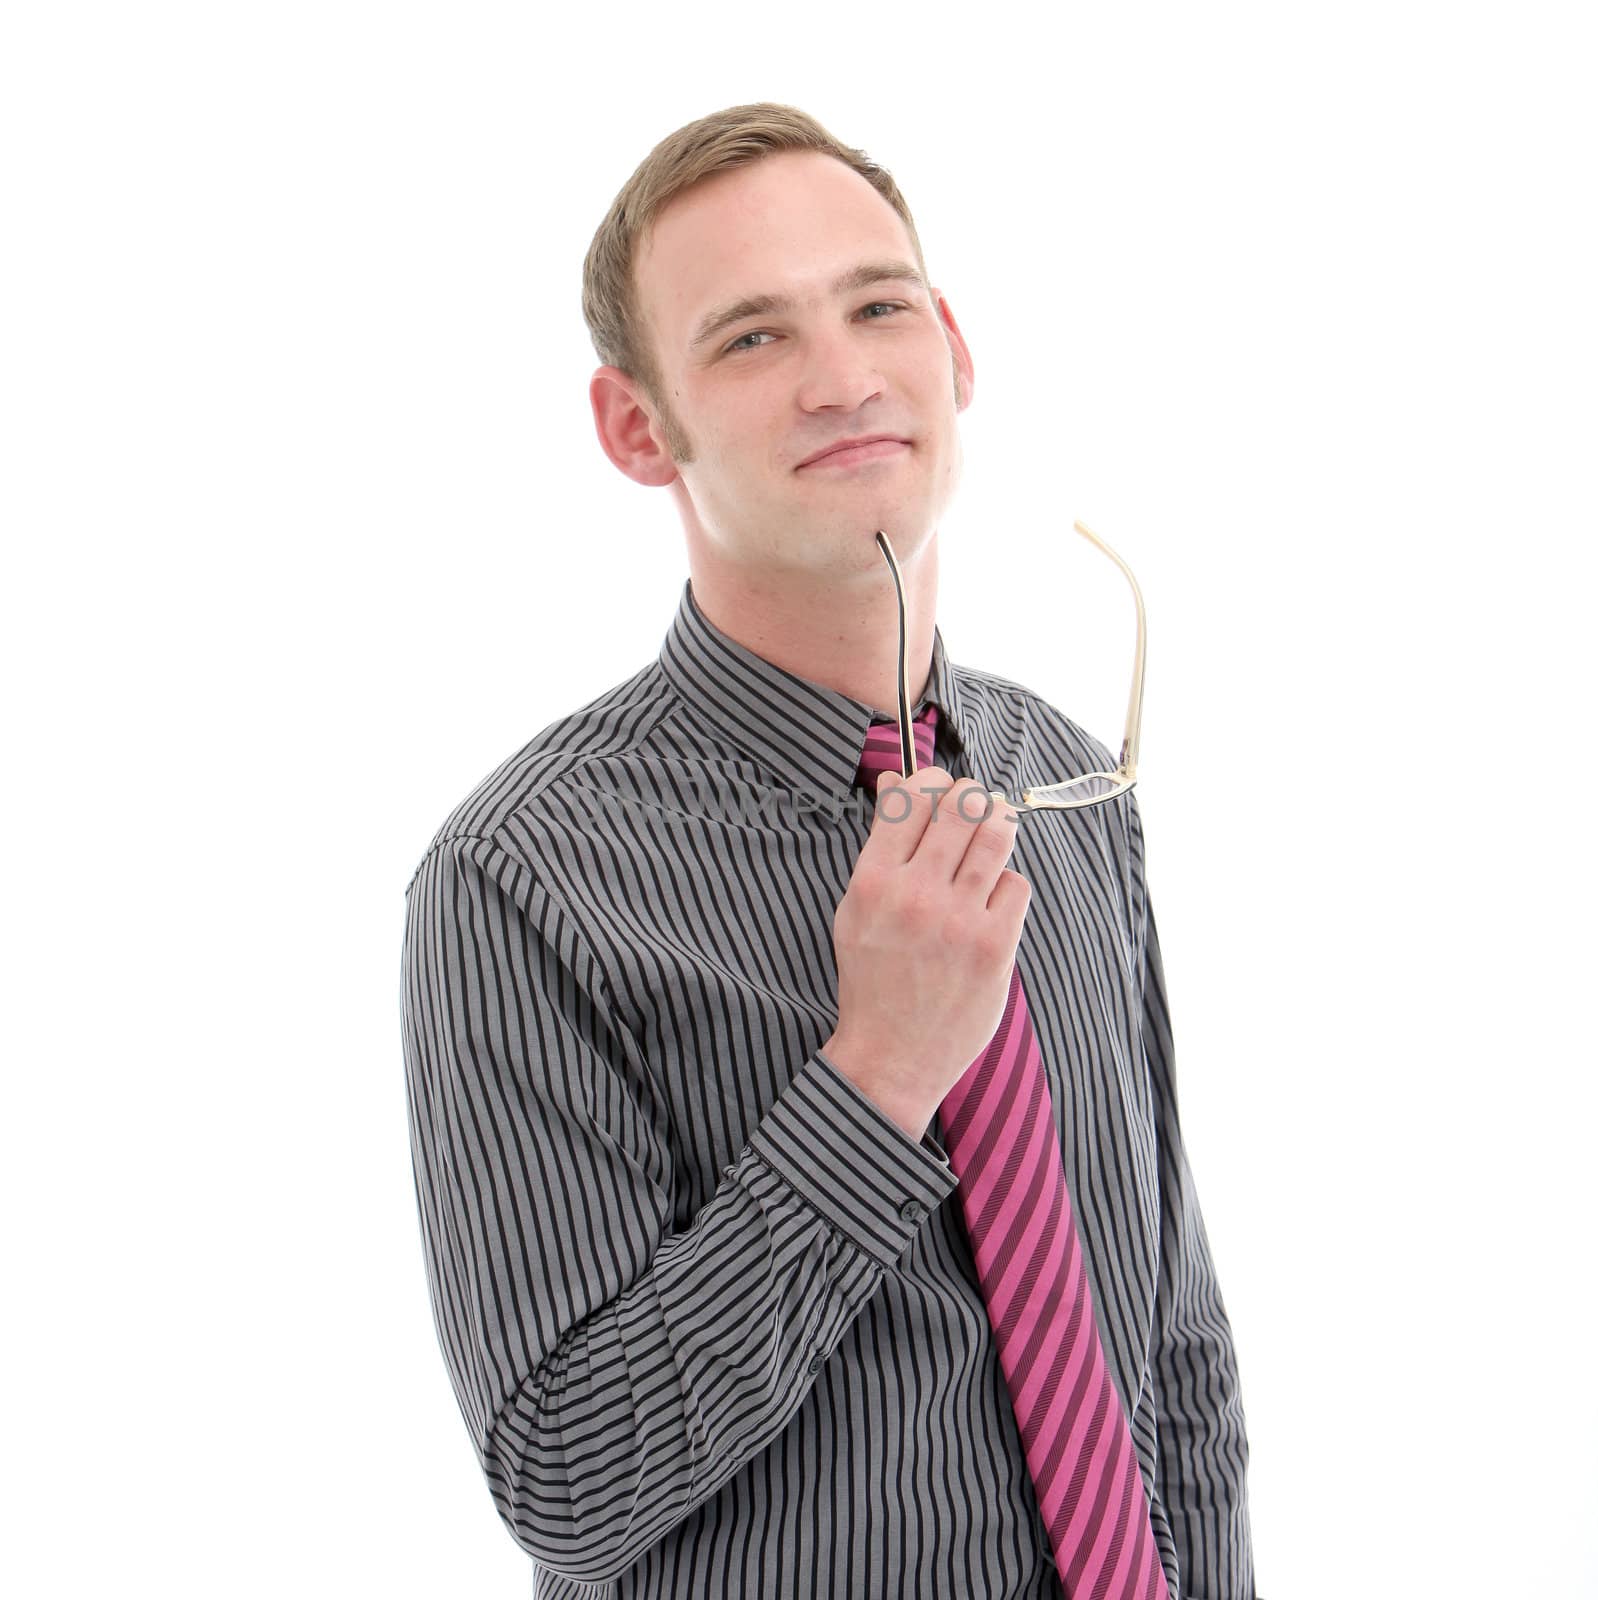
(804, 734)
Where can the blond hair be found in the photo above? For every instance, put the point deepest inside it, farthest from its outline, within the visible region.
(715, 143)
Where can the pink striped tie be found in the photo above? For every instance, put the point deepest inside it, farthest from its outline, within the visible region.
(998, 1126)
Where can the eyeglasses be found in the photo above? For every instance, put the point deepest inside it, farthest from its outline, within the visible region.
(1092, 788)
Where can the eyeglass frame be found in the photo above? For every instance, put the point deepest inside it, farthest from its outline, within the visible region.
(1125, 775)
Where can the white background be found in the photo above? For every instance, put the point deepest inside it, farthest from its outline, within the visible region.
(306, 528)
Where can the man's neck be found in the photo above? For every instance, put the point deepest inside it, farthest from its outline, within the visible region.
(842, 635)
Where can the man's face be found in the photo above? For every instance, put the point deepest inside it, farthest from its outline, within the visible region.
(748, 402)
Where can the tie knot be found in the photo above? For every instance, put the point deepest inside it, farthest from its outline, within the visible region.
(882, 754)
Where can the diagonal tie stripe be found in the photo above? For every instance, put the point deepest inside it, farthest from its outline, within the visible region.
(881, 753)
(998, 1128)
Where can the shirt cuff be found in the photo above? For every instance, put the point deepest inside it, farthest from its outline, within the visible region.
(851, 1162)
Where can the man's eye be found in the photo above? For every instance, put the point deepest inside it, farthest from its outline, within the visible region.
(884, 305)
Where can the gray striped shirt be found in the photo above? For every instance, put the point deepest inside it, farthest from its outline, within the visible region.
(710, 1315)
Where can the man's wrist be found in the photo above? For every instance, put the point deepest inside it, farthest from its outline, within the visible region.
(909, 1115)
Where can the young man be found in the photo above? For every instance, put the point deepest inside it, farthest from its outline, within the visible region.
(801, 1183)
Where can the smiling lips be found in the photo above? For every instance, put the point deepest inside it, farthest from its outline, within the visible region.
(856, 455)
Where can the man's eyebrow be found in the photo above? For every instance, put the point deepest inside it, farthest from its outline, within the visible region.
(762, 305)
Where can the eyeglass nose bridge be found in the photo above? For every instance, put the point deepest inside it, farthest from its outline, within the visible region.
(1122, 782)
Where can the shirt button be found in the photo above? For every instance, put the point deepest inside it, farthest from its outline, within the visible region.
(815, 1366)
(912, 1211)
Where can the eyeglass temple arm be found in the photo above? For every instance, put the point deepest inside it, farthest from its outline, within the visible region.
(907, 743)
(1134, 705)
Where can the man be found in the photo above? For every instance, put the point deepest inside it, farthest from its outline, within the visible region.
(678, 1024)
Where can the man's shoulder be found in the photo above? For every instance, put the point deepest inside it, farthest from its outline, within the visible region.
(546, 772)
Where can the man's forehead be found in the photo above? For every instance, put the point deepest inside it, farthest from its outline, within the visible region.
(758, 254)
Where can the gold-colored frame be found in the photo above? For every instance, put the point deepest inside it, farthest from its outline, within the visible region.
(1053, 796)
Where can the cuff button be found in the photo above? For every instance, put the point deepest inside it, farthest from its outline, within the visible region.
(912, 1211)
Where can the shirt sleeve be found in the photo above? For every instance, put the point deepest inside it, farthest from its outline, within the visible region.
(1198, 1401)
(614, 1372)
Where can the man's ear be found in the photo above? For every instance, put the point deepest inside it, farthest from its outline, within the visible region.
(628, 431)
(965, 377)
